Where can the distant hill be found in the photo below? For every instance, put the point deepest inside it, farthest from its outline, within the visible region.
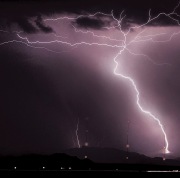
(58, 161)
(106, 155)
(111, 155)
(87, 158)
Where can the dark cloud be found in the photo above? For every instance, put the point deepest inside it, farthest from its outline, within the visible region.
(25, 25)
(137, 9)
(86, 22)
(128, 22)
(42, 26)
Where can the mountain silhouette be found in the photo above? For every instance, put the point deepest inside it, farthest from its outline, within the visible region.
(87, 158)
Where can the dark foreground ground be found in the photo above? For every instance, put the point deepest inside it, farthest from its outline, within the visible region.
(95, 169)
(76, 173)
(91, 161)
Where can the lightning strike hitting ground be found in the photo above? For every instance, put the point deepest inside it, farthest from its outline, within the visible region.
(77, 137)
(123, 45)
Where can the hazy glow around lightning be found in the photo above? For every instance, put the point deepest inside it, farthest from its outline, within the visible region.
(138, 99)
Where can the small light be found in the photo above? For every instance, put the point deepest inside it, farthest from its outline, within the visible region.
(70, 168)
(164, 159)
(127, 146)
(15, 167)
(44, 167)
(62, 168)
(127, 157)
(85, 157)
(86, 144)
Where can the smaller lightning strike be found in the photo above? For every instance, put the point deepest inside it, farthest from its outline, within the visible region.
(35, 47)
(141, 38)
(77, 137)
(94, 35)
(147, 57)
(167, 40)
(5, 31)
(59, 36)
(77, 17)
(147, 38)
(67, 43)
(25, 43)
(118, 26)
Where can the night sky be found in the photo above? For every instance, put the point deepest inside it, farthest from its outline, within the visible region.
(54, 73)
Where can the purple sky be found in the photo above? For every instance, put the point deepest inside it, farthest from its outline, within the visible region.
(46, 87)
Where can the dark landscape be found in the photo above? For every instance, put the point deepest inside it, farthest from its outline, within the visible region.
(86, 159)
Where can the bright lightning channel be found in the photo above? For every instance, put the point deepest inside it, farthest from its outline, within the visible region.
(77, 137)
(138, 99)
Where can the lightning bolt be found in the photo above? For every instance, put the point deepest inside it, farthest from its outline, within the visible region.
(132, 82)
(123, 45)
(77, 137)
(129, 79)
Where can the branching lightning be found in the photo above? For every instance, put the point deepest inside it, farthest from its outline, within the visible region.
(123, 45)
